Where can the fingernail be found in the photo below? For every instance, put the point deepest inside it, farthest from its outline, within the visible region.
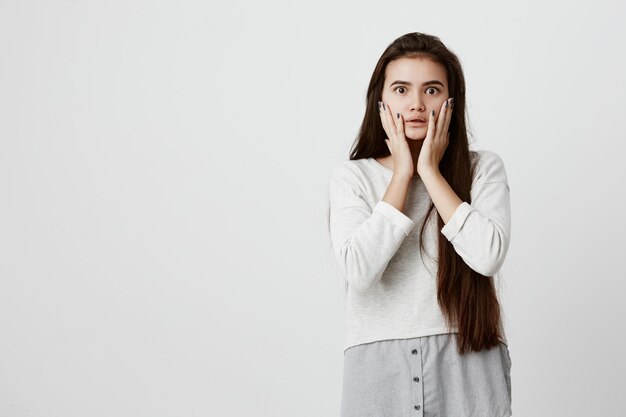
(379, 106)
(384, 106)
(398, 115)
(432, 113)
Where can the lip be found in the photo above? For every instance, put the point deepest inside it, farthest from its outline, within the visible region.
(417, 122)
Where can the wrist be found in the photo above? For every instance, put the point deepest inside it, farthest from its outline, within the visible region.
(401, 178)
(430, 172)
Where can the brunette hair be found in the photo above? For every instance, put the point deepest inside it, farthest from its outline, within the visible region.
(465, 296)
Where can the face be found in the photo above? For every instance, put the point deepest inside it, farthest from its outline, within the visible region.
(414, 87)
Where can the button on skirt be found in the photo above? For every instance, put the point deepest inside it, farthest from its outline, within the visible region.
(425, 376)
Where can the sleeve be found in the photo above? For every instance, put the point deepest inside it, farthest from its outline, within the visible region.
(363, 239)
(480, 232)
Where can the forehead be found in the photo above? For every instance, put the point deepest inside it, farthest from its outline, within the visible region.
(415, 70)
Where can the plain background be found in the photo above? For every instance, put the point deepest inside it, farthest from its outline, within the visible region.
(164, 170)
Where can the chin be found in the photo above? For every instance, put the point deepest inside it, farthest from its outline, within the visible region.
(415, 138)
(415, 134)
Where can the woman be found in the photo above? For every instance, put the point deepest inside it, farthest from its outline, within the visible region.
(424, 334)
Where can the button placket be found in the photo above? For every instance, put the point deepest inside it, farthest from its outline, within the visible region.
(417, 391)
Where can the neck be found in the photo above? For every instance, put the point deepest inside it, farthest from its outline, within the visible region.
(416, 147)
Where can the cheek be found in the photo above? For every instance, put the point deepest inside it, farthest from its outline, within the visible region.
(391, 102)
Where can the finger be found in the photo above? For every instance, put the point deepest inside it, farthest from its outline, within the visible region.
(392, 117)
(442, 118)
(400, 126)
(384, 121)
(391, 124)
(448, 107)
(443, 121)
(431, 125)
(449, 114)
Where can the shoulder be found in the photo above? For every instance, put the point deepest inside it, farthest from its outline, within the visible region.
(349, 178)
(488, 167)
(352, 170)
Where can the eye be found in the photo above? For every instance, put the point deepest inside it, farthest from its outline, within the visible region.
(403, 88)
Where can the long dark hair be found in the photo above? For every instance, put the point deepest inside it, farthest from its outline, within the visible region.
(466, 297)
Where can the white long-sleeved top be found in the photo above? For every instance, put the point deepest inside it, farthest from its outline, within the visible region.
(391, 288)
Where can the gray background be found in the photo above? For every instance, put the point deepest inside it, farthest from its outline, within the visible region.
(164, 169)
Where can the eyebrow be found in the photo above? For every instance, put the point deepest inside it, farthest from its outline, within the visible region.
(431, 82)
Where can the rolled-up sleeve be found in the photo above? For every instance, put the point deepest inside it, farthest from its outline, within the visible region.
(364, 239)
(480, 231)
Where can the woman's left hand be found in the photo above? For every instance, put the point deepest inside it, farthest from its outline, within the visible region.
(436, 140)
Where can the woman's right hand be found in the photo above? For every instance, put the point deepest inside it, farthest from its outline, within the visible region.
(398, 146)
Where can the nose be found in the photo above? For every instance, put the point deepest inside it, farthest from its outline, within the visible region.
(417, 101)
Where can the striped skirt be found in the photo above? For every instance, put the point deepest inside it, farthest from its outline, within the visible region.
(425, 376)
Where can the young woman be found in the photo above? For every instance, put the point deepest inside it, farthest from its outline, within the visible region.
(424, 334)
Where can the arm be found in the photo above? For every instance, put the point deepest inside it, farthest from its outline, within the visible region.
(481, 231)
(397, 191)
(363, 239)
(445, 199)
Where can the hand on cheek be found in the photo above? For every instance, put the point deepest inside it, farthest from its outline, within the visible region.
(436, 140)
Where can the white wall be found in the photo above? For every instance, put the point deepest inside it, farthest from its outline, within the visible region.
(163, 175)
